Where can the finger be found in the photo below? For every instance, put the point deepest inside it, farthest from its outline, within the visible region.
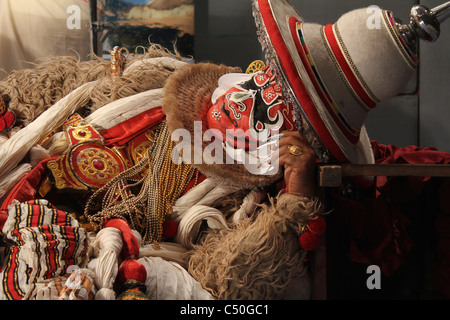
(295, 140)
(292, 140)
(276, 154)
(304, 163)
(307, 152)
(285, 159)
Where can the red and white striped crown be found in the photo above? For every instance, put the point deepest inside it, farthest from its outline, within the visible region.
(335, 74)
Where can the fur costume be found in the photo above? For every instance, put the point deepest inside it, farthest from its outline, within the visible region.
(32, 91)
(257, 259)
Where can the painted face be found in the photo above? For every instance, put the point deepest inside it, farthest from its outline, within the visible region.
(249, 109)
(248, 114)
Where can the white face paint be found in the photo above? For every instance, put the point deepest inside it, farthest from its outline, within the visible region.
(247, 114)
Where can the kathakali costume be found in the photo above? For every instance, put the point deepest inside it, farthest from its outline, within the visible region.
(141, 217)
(99, 201)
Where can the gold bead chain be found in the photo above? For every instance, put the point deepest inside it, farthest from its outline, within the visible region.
(162, 182)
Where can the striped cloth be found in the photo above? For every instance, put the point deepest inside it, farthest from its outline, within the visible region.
(47, 241)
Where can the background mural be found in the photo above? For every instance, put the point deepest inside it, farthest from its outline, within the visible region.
(134, 23)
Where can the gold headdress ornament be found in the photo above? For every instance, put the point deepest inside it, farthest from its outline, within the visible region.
(118, 60)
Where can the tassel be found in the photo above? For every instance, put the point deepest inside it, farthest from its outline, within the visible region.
(131, 269)
(131, 279)
(109, 241)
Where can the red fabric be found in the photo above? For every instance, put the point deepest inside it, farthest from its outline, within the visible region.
(407, 189)
(45, 235)
(194, 181)
(11, 267)
(3, 218)
(396, 188)
(130, 242)
(26, 189)
(131, 128)
(376, 230)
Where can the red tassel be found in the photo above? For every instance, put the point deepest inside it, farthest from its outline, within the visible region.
(131, 269)
(309, 241)
(317, 225)
(7, 120)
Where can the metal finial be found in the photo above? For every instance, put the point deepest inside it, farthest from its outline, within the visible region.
(423, 24)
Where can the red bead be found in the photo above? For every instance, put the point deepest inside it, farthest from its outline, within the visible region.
(82, 134)
(317, 225)
(309, 241)
(170, 229)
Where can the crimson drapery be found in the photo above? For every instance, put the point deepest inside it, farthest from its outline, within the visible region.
(376, 222)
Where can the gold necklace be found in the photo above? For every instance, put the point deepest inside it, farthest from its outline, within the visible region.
(162, 182)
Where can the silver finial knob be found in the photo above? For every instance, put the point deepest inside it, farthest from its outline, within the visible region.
(423, 24)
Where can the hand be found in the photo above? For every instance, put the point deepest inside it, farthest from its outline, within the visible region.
(299, 170)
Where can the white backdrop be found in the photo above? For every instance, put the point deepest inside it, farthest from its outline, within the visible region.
(33, 29)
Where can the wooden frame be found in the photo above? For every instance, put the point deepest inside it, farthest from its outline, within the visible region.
(331, 175)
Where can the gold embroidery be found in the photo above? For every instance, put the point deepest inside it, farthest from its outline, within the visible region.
(82, 133)
(255, 66)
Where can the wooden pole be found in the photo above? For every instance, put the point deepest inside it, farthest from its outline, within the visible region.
(331, 175)
(94, 23)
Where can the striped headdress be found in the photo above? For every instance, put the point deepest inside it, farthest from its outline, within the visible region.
(335, 74)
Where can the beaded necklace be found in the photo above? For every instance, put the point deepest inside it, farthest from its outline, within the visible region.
(162, 182)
